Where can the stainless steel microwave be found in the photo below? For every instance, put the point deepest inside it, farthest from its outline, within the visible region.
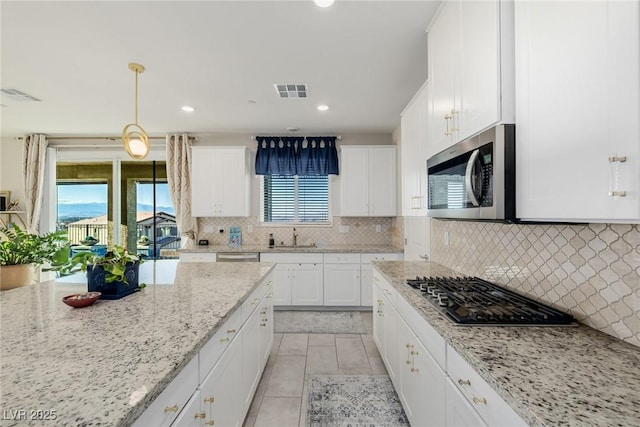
(475, 178)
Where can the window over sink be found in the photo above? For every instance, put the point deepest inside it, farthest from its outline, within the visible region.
(294, 199)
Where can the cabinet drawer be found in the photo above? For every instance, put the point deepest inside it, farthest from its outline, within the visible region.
(491, 407)
(291, 258)
(198, 257)
(385, 288)
(251, 303)
(342, 258)
(428, 336)
(368, 258)
(212, 350)
(166, 407)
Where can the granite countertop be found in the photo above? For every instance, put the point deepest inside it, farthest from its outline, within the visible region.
(300, 249)
(549, 375)
(104, 364)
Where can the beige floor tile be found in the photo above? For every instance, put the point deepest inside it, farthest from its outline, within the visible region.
(322, 361)
(356, 370)
(370, 346)
(348, 335)
(286, 377)
(367, 320)
(377, 366)
(351, 353)
(249, 421)
(277, 339)
(260, 390)
(322, 339)
(279, 412)
(293, 345)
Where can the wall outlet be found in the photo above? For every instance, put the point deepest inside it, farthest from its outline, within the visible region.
(344, 229)
(378, 228)
(208, 228)
(446, 238)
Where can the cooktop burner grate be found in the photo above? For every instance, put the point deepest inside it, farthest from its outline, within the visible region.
(474, 301)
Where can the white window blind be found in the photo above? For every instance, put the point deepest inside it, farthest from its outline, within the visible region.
(295, 199)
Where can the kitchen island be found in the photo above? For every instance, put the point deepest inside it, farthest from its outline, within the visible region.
(574, 376)
(104, 364)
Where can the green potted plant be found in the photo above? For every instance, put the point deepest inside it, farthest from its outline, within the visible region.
(114, 274)
(20, 252)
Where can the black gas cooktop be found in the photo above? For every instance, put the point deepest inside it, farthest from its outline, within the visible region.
(473, 301)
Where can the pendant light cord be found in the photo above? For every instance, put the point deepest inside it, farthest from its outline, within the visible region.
(136, 103)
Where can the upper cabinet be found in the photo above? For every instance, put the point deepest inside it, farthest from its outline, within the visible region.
(368, 180)
(220, 179)
(470, 61)
(414, 151)
(577, 134)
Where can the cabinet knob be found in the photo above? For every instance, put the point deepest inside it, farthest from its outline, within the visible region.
(415, 370)
(414, 353)
(464, 382)
(479, 400)
(171, 408)
(263, 324)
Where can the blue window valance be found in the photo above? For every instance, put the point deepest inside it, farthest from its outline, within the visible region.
(298, 155)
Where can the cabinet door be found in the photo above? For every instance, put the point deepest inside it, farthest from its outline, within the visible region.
(221, 390)
(378, 321)
(266, 328)
(443, 52)
(414, 152)
(391, 350)
(459, 412)
(382, 181)
(422, 382)
(354, 181)
(417, 235)
(478, 85)
(307, 285)
(342, 284)
(233, 178)
(251, 358)
(282, 284)
(192, 415)
(565, 132)
(366, 286)
(202, 202)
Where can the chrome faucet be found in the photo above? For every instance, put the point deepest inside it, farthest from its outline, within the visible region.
(295, 237)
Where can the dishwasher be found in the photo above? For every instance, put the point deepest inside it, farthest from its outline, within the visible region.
(238, 257)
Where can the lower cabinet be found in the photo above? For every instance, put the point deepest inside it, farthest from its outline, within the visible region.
(342, 279)
(436, 386)
(422, 382)
(297, 279)
(217, 386)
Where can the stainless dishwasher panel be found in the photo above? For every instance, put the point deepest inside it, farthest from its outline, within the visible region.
(238, 257)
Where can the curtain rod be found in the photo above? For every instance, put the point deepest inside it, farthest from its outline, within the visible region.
(253, 137)
(108, 138)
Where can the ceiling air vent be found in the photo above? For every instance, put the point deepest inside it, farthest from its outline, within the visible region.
(291, 90)
(17, 95)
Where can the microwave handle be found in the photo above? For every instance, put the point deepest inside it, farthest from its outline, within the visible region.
(467, 178)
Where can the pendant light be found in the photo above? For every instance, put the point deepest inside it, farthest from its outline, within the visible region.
(134, 138)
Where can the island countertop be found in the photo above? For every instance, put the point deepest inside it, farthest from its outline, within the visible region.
(104, 364)
(572, 376)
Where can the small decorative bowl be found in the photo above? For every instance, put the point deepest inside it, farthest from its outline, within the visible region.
(81, 300)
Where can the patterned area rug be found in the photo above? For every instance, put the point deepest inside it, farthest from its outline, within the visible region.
(319, 322)
(353, 401)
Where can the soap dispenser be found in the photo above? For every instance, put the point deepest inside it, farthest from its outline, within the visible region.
(272, 242)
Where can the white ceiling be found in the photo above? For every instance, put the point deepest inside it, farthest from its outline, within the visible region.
(365, 59)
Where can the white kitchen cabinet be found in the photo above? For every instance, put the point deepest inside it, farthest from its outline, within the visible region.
(297, 279)
(385, 326)
(166, 407)
(368, 180)
(192, 414)
(482, 398)
(459, 412)
(266, 328)
(470, 57)
(220, 181)
(366, 274)
(198, 257)
(417, 236)
(251, 357)
(414, 152)
(342, 279)
(422, 382)
(578, 103)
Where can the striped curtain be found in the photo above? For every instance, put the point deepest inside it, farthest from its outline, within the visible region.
(34, 155)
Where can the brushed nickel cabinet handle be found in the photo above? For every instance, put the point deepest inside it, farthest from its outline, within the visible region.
(464, 382)
(479, 400)
(200, 415)
(171, 408)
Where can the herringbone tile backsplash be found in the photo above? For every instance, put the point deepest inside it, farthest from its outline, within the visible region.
(591, 271)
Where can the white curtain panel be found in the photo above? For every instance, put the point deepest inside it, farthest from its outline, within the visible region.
(179, 179)
(34, 155)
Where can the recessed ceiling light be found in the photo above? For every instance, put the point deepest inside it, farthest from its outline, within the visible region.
(323, 107)
(188, 109)
(323, 3)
